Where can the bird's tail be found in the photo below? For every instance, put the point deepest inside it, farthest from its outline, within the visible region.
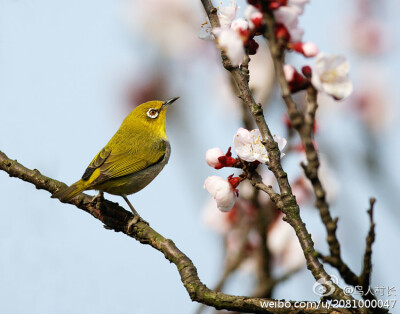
(72, 191)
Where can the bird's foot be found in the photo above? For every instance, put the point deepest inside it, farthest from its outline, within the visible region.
(136, 219)
(98, 198)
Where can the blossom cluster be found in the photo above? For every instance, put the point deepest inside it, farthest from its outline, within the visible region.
(330, 75)
(236, 38)
(249, 148)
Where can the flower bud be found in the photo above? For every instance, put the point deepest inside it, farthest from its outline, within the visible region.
(308, 49)
(222, 191)
(295, 80)
(307, 71)
(212, 156)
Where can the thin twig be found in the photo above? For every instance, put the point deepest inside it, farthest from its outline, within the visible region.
(365, 276)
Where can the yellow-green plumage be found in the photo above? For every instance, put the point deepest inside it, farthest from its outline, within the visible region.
(132, 158)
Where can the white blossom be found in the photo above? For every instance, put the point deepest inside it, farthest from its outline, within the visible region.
(249, 147)
(222, 191)
(331, 75)
(229, 40)
(212, 156)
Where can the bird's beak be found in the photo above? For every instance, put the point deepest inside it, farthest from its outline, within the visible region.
(168, 102)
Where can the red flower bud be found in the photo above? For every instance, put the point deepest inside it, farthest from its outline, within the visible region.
(308, 49)
(274, 5)
(234, 181)
(257, 21)
(295, 80)
(226, 161)
(281, 32)
(307, 71)
(253, 46)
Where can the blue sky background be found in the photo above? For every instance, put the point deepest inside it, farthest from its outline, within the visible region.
(61, 63)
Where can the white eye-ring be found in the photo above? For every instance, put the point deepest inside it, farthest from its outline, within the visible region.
(152, 113)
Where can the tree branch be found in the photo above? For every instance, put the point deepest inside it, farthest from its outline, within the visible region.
(288, 203)
(303, 124)
(116, 218)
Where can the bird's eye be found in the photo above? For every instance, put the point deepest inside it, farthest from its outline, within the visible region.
(152, 113)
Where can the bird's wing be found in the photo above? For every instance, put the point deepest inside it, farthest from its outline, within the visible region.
(96, 163)
(116, 163)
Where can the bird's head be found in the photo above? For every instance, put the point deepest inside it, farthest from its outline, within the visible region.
(151, 114)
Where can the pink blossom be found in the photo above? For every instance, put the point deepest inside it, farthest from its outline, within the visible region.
(222, 191)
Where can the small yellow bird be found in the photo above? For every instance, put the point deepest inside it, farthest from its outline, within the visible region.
(133, 157)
